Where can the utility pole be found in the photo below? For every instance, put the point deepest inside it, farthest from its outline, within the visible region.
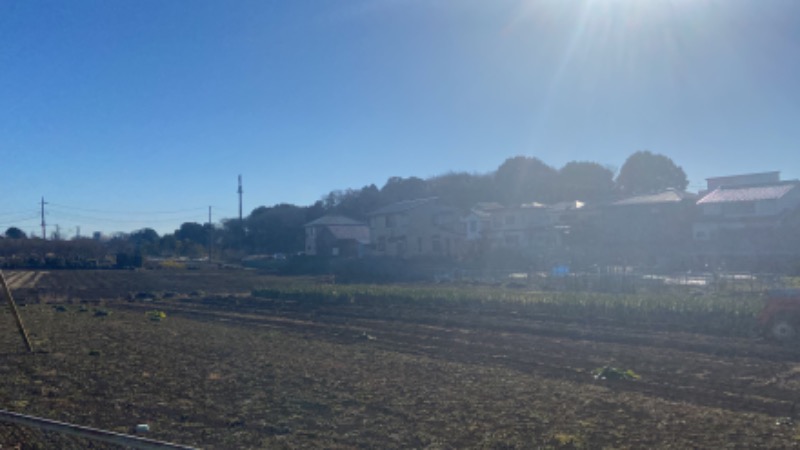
(241, 219)
(210, 234)
(44, 229)
(78, 232)
(240, 199)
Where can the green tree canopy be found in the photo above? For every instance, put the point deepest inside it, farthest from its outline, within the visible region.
(145, 240)
(398, 189)
(277, 229)
(461, 189)
(144, 236)
(645, 172)
(583, 180)
(353, 203)
(523, 179)
(192, 232)
(15, 233)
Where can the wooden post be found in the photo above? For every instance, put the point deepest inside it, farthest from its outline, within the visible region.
(15, 312)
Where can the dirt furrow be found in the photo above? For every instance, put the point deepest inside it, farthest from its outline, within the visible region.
(675, 375)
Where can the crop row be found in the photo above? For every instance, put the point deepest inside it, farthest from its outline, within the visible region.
(728, 314)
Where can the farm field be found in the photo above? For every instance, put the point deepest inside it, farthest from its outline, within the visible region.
(292, 369)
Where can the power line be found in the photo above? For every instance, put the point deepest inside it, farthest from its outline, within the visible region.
(27, 211)
(21, 220)
(177, 211)
(74, 216)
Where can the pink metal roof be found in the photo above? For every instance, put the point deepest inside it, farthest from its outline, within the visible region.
(747, 193)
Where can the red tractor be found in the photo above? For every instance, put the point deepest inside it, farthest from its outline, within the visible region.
(780, 318)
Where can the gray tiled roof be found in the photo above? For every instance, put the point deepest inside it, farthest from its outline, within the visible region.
(402, 206)
(748, 193)
(333, 220)
(350, 232)
(669, 196)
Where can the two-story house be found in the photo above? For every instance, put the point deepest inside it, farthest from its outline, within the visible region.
(748, 222)
(652, 229)
(528, 228)
(477, 226)
(533, 231)
(754, 203)
(415, 228)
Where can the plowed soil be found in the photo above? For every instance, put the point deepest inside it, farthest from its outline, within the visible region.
(233, 371)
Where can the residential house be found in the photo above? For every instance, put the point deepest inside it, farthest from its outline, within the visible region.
(415, 228)
(651, 230)
(336, 236)
(754, 202)
(747, 221)
(526, 227)
(532, 231)
(567, 215)
(478, 225)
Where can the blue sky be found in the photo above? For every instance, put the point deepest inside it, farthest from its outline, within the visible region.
(125, 114)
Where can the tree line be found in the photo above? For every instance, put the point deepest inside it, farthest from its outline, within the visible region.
(279, 228)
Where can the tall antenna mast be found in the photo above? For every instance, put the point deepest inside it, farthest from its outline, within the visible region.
(44, 227)
(240, 199)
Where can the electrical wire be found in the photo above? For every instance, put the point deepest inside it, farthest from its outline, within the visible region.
(81, 217)
(17, 222)
(27, 211)
(75, 216)
(101, 211)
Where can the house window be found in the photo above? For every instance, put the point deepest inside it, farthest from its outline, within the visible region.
(381, 244)
(391, 221)
(443, 218)
(512, 240)
(436, 244)
(473, 226)
(739, 208)
(401, 246)
(510, 220)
